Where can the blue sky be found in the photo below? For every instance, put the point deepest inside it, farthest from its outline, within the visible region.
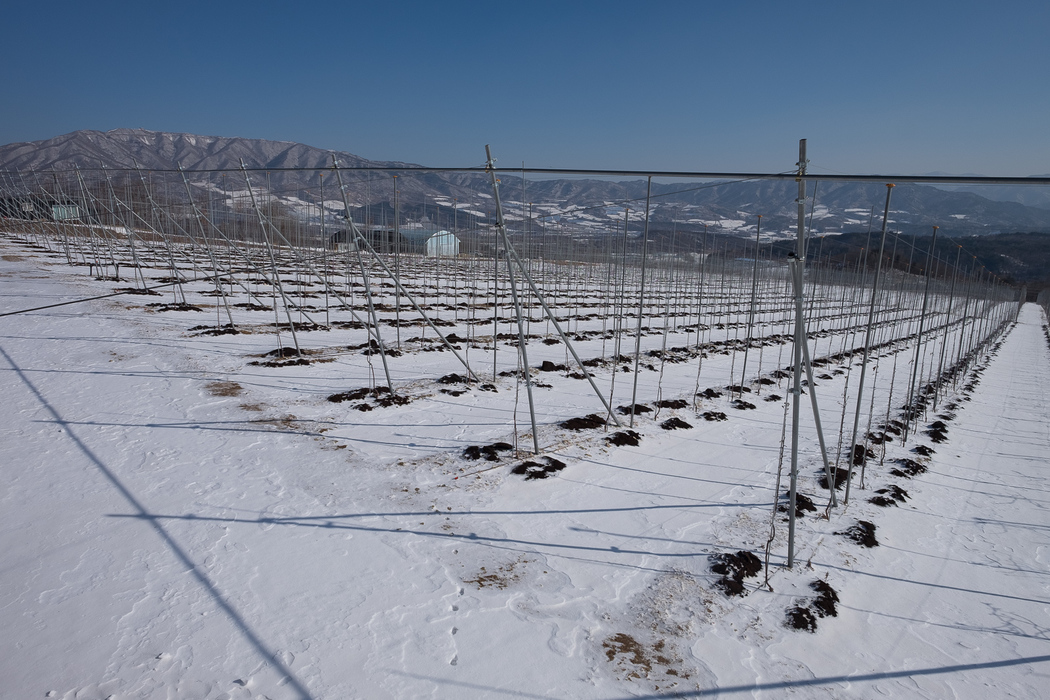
(876, 87)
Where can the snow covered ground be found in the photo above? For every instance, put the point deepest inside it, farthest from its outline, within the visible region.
(178, 523)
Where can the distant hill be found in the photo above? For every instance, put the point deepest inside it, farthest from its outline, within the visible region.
(585, 206)
(1016, 258)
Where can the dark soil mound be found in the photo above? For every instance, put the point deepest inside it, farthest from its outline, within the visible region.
(281, 363)
(841, 475)
(549, 366)
(624, 438)
(281, 352)
(734, 568)
(453, 379)
(393, 400)
(355, 395)
(938, 431)
(878, 438)
(174, 307)
(535, 470)
(636, 409)
(892, 492)
(489, 452)
(862, 533)
(803, 504)
(672, 403)
(801, 618)
(742, 405)
(773, 397)
(738, 389)
(674, 424)
(224, 330)
(909, 468)
(137, 291)
(861, 454)
(923, 450)
(715, 415)
(824, 604)
(710, 394)
(585, 423)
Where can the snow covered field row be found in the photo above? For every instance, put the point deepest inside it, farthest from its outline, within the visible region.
(183, 523)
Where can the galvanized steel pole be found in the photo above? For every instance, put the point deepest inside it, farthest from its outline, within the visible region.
(867, 342)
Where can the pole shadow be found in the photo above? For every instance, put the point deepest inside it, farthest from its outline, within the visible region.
(267, 654)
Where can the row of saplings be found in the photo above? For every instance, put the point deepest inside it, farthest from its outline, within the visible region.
(734, 568)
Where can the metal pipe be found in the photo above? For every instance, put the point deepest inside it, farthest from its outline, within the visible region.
(867, 342)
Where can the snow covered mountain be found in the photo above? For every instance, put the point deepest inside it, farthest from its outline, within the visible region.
(593, 205)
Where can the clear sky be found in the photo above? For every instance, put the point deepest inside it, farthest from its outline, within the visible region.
(876, 87)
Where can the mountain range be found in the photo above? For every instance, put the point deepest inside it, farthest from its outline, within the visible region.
(585, 205)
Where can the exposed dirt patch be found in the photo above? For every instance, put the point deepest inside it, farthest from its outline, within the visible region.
(715, 416)
(224, 388)
(674, 424)
(742, 405)
(710, 394)
(630, 653)
(500, 578)
(923, 450)
(636, 660)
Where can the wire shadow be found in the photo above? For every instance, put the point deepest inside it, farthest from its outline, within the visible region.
(756, 687)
